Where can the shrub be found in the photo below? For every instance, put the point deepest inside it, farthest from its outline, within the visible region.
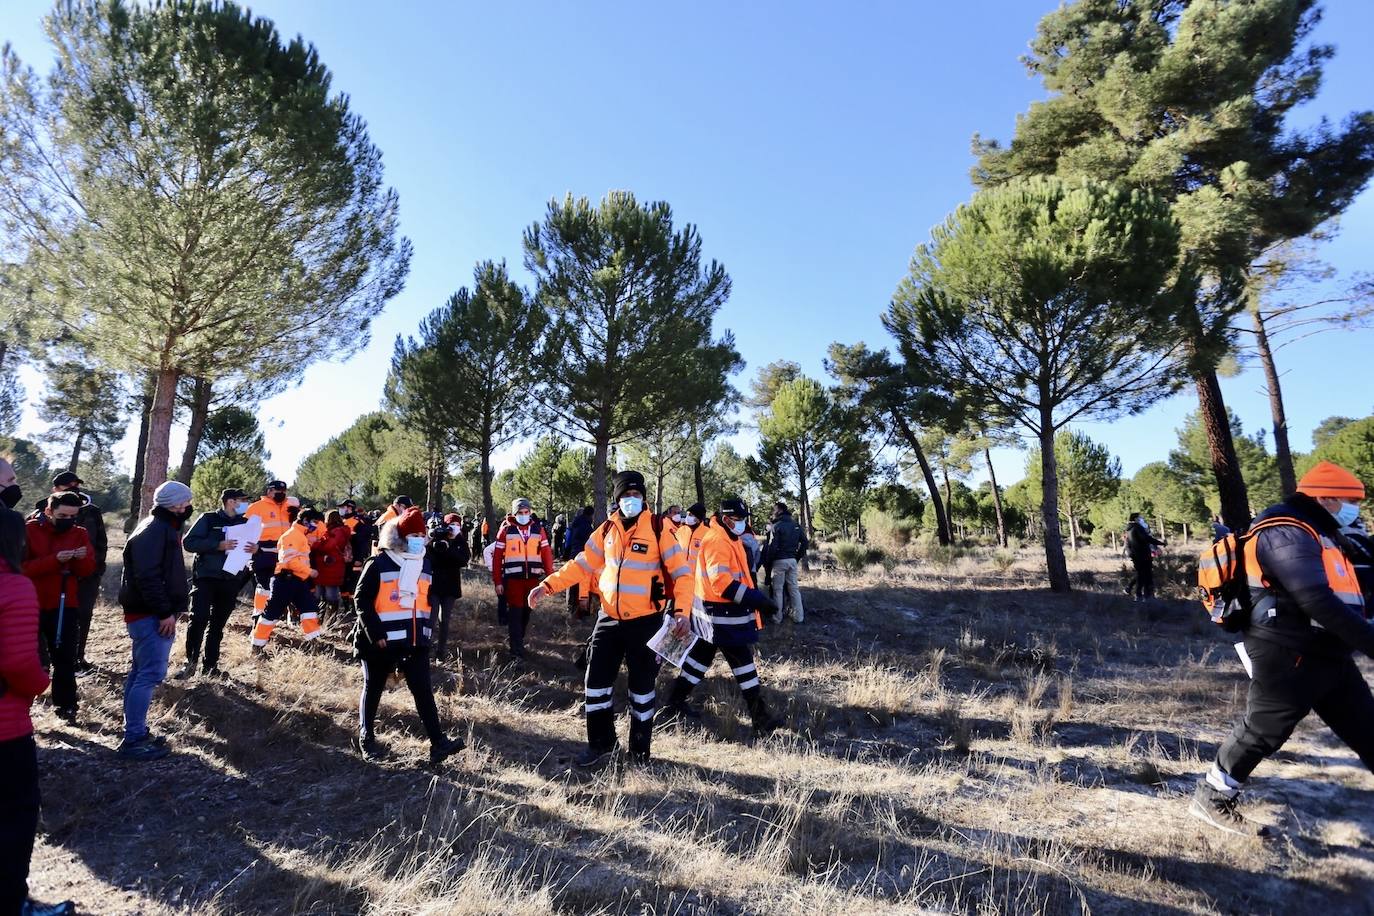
(852, 558)
(887, 530)
(1004, 560)
(943, 556)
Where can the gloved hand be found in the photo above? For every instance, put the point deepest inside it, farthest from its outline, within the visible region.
(759, 601)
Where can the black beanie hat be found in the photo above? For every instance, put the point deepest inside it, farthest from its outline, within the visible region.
(627, 480)
(697, 510)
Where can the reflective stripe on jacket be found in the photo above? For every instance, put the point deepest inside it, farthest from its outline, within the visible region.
(293, 552)
(274, 519)
(521, 554)
(722, 578)
(625, 565)
(382, 607)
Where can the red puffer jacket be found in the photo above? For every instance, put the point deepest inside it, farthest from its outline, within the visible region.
(21, 675)
(42, 566)
(328, 556)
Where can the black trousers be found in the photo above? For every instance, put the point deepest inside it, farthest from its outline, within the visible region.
(613, 643)
(1285, 688)
(88, 593)
(741, 662)
(517, 622)
(443, 607)
(61, 659)
(1144, 576)
(212, 604)
(414, 667)
(18, 820)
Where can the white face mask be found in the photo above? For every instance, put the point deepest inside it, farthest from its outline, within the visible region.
(523, 518)
(737, 527)
(689, 519)
(630, 506)
(677, 517)
(455, 529)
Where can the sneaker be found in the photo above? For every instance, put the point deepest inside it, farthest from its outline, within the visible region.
(1223, 812)
(66, 714)
(143, 750)
(185, 671)
(594, 757)
(445, 749)
(32, 908)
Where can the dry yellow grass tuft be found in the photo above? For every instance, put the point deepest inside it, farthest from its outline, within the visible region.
(957, 741)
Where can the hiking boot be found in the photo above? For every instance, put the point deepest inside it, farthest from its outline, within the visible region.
(143, 750)
(1216, 809)
(187, 670)
(66, 714)
(84, 668)
(370, 749)
(767, 723)
(676, 715)
(445, 748)
(595, 756)
(33, 908)
(214, 673)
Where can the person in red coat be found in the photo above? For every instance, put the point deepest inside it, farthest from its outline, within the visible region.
(58, 556)
(332, 557)
(21, 679)
(521, 559)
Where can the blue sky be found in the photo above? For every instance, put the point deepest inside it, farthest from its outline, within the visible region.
(814, 145)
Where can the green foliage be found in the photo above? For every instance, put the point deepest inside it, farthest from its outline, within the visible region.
(1191, 461)
(223, 470)
(852, 558)
(233, 429)
(888, 530)
(798, 438)
(1353, 449)
(1088, 474)
(553, 476)
(1328, 428)
(726, 474)
(348, 465)
(629, 348)
(31, 469)
(83, 404)
(839, 508)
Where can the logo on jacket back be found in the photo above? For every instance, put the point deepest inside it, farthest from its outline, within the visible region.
(639, 547)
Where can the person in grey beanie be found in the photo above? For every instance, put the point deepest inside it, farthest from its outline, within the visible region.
(154, 592)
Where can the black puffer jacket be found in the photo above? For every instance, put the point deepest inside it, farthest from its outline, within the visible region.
(153, 583)
(1291, 560)
(1139, 541)
(447, 557)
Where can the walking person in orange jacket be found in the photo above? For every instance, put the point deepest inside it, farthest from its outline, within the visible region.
(522, 557)
(292, 582)
(627, 558)
(271, 510)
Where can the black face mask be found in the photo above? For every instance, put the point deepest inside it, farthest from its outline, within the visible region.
(278, 497)
(63, 524)
(11, 495)
(186, 513)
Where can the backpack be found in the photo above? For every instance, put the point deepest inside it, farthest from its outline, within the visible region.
(658, 592)
(1224, 584)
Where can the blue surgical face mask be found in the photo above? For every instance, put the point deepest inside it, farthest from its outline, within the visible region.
(689, 519)
(738, 527)
(523, 518)
(630, 506)
(1346, 514)
(415, 544)
(241, 508)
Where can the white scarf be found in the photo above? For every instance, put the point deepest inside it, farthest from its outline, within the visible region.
(408, 584)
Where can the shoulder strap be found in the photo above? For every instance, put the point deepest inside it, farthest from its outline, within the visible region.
(1278, 520)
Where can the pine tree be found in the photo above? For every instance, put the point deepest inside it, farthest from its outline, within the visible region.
(630, 303)
(1189, 100)
(193, 197)
(83, 405)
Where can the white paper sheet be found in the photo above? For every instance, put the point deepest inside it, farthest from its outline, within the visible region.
(250, 532)
(669, 646)
(1245, 660)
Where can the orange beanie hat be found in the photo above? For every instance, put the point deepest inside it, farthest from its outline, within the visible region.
(1327, 479)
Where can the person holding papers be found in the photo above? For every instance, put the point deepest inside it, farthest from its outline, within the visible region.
(213, 590)
(725, 593)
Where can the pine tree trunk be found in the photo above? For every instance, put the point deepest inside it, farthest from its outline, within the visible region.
(659, 474)
(1055, 563)
(941, 519)
(1073, 527)
(157, 455)
(76, 448)
(600, 498)
(699, 478)
(996, 500)
(488, 510)
(1235, 503)
(1185, 532)
(201, 394)
(1283, 455)
(136, 484)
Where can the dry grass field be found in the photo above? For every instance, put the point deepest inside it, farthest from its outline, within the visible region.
(959, 741)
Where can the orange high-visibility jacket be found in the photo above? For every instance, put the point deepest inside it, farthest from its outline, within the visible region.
(1340, 572)
(624, 565)
(387, 614)
(521, 554)
(689, 539)
(274, 520)
(722, 576)
(293, 552)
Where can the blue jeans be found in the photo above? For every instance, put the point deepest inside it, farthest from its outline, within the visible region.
(151, 651)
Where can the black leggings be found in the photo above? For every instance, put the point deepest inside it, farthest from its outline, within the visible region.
(62, 657)
(414, 666)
